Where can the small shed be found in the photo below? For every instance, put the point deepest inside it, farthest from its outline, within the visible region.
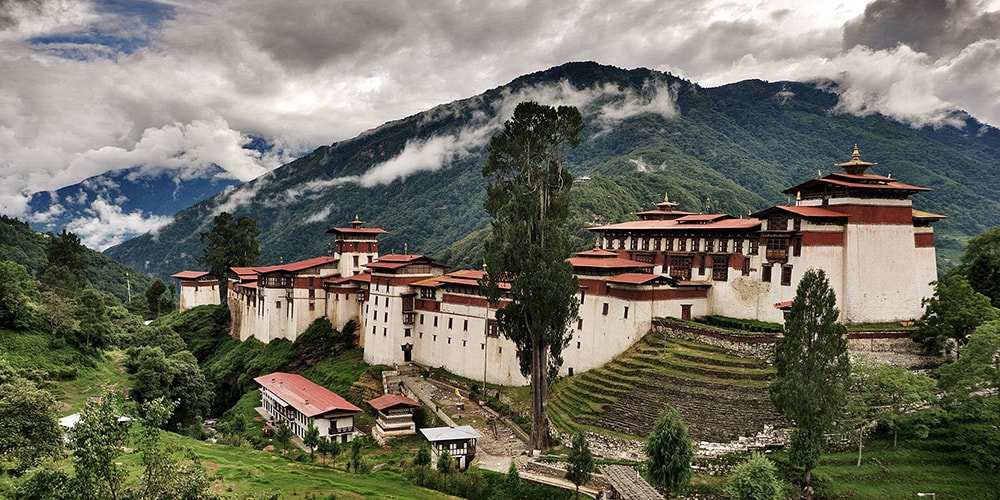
(395, 417)
(459, 442)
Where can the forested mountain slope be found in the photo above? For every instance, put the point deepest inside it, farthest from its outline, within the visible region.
(647, 133)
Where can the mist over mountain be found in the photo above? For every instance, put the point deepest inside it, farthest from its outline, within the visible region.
(727, 149)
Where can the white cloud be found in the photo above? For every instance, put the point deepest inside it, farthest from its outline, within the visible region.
(105, 224)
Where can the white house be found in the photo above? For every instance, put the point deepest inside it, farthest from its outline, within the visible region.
(297, 401)
(459, 442)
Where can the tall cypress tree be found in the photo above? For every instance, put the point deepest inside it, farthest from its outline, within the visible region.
(527, 250)
(230, 242)
(812, 369)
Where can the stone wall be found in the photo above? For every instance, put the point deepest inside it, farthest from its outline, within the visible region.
(752, 345)
(893, 348)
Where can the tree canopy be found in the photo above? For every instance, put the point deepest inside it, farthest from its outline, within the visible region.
(812, 369)
(528, 197)
(980, 264)
(580, 462)
(230, 242)
(951, 314)
(669, 453)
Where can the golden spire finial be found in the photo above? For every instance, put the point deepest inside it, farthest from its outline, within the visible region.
(856, 155)
(357, 222)
(597, 242)
(406, 249)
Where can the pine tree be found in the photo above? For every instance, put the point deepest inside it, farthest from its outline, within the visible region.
(527, 250)
(669, 453)
(812, 369)
(230, 242)
(580, 462)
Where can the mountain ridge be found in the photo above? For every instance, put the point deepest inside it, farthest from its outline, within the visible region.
(647, 132)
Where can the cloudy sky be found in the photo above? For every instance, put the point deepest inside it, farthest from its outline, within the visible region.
(90, 86)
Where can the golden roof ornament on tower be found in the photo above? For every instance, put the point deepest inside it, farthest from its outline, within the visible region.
(856, 166)
(666, 205)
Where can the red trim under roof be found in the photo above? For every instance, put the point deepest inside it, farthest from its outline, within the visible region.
(390, 400)
(850, 183)
(296, 390)
(673, 225)
(190, 275)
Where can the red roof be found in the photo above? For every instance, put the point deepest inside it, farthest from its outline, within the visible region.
(356, 230)
(635, 278)
(921, 215)
(597, 253)
(293, 267)
(701, 218)
(606, 263)
(305, 396)
(807, 212)
(675, 225)
(364, 277)
(190, 275)
(783, 305)
(875, 183)
(390, 400)
(395, 261)
(244, 273)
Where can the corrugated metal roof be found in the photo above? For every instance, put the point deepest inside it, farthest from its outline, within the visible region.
(435, 434)
(304, 395)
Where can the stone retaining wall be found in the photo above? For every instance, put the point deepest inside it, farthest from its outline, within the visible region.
(758, 346)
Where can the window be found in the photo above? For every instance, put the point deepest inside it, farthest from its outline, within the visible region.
(465, 326)
(449, 340)
(421, 318)
(373, 330)
(694, 244)
(583, 295)
(723, 245)
(669, 246)
(277, 305)
(482, 346)
(492, 330)
(682, 245)
(765, 273)
(577, 345)
(385, 331)
(709, 245)
(738, 246)
(626, 312)
(450, 320)
(435, 321)
(786, 275)
(434, 339)
(356, 262)
(464, 342)
(385, 317)
(797, 224)
(579, 324)
(406, 333)
(604, 310)
(645, 243)
(720, 268)
(777, 224)
(656, 244)
(777, 249)
(753, 246)
(680, 267)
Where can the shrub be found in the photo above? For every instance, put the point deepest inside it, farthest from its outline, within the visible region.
(754, 479)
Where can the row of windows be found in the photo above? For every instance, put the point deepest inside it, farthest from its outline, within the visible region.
(680, 244)
(786, 274)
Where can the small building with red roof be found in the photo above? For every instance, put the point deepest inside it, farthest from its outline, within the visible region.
(197, 288)
(395, 417)
(298, 402)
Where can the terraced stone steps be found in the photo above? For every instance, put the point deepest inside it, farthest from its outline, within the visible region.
(719, 396)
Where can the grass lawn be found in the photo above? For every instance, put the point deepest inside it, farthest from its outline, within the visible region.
(930, 466)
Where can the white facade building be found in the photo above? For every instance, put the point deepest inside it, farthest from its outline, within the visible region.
(298, 402)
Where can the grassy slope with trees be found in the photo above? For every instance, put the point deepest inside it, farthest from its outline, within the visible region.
(739, 145)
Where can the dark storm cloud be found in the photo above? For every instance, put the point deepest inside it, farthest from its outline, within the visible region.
(936, 27)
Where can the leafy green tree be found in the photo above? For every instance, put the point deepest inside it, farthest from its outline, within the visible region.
(60, 280)
(972, 396)
(154, 297)
(175, 378)
(230, 242)
(954, 311)
(59, 316)
(356, 445)
(16, 292)
(163, 475)
(513, 486)
(423, 458)
(580, 462)
(754, 479)
(92, 314)
(29, 425)
(445, 463)
(812, 369)
(528, 198)
(311, 440)
(97, 441)
(980, 264)
(66, 250)
(333, 448)
(284, 436)
(669, 453)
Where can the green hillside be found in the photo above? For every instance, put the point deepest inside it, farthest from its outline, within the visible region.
(21, 244)
(738, 145)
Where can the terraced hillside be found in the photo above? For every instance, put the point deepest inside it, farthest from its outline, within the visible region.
(718, 395)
